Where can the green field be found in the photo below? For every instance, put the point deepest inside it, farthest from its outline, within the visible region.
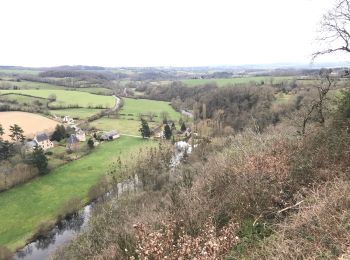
(23, 100)
(96, 90)
(282, 98)
(39, 85)
(133, 107)
(24, 207)
(130, 127)
(17, 71)
(79, 113)
(66, 98)
(30, 85)
(234, 81)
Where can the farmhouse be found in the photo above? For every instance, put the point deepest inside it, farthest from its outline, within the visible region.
(43, 141)
(30, 146)
(80, 134)
(68, 120)
(110, 135)
(72, 142)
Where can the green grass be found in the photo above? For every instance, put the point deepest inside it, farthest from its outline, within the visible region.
(39, 85)
(22, 99)
(17, 71)
(24, 207)
(130, 127)
(64, 97)
(133, 107)
(30, 85)
(96, 90)
(80, 113)
(233, 81)
(282, 98)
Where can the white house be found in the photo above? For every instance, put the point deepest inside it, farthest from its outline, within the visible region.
(68, 120)
(41, 140)
(80, 134)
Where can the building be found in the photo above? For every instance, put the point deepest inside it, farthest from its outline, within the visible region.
(30, 146)
(68, 120)
(110, 135)
(43, 141)
(80, 134)
(72, 142)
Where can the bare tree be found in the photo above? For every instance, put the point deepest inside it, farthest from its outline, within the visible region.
(317, 106)
(335, 29)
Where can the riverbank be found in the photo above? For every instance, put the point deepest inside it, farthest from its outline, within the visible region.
(41, 200)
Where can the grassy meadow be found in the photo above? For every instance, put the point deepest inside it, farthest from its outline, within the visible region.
(79, 113)
(41, 200)
(234, 81)
(18, 71)
(67, 98)
(21, 99)
(124, 126)
(30, 85)
(133, 107)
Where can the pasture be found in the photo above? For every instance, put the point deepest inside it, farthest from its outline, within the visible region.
(236, 81)
(41, 200)
(30, 123)
(66, 98)
(133, 107)
(19, 71)
(77, 113)
(22, 100)
(29, 85)
(129, 127)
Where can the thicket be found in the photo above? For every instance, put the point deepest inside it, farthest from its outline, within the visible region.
(271, 195)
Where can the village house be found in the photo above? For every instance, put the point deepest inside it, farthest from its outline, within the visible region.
(110, 135)
(41, 140)
(68, 120)
(80, 134)
(72, 142)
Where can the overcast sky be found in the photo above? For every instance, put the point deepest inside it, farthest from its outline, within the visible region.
(158, 32)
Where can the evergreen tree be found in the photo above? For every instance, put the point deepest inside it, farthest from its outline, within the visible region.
(1, 131)
(39, 160)
(90, 143)
(144, 130)
(6, 150)
(173, 127)
(167, 132)
(59, 133)
(183, 127)
(16, 133)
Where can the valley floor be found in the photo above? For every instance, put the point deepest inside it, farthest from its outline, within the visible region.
(27, 207)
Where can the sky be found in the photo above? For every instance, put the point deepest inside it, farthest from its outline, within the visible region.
(114, 33)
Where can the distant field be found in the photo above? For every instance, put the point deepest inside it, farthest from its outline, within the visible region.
(233, 81)
(99, 91)
(30, 85)
(40, 200)
(39, 85)
(66, 98)
(23, 100)
(130, 127)
(30, 123)
(81, 113)
(33, 72)
(133, 107)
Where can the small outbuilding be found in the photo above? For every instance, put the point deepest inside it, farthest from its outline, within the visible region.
(110, 135)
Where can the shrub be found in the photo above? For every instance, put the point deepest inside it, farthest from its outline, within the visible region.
(5, 253)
